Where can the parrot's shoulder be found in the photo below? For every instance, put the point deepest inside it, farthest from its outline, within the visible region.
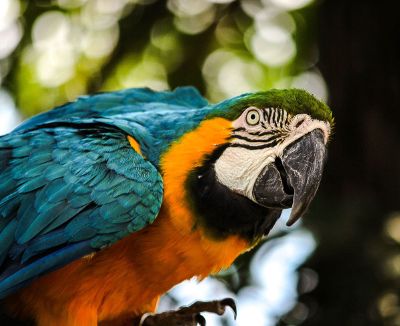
(184, 96)
(127, 102)
(181, 97)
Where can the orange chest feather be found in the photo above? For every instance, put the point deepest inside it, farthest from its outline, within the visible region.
(128, 277)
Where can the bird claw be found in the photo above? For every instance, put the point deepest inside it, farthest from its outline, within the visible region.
(190, 315)
(200, 320)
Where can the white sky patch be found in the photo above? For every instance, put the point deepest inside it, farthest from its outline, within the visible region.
(274, 281)
(9, 117)
(274, 271)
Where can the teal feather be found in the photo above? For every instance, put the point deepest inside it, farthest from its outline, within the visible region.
(41, 244)
(40, 221)
(7, 183)
(54, 172)
(7, 239)
(32, 184)
(35, 171)
(66, 215)
(39, 158)
(79, 201)
(8, 199)
(21, 151)
(58, 191)
(11, 283)
(25, 215)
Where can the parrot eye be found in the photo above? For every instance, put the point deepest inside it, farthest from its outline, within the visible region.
(252, 117)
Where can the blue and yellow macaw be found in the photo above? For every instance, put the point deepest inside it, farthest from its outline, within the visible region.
(109, 201)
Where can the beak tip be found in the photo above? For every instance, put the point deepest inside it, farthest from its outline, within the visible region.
(292, 220)
(297, 212)
(289, 223)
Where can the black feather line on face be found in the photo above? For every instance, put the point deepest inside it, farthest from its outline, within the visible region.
(264, 133)
(252, 140)
(269, 144)
(222, 212)
(256, 140)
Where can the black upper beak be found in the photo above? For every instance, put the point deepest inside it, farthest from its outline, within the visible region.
(293, 179)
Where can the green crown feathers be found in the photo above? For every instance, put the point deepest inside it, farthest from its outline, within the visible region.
(294, 101)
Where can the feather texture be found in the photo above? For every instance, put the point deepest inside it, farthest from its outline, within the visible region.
(71, 183)
(84, 193)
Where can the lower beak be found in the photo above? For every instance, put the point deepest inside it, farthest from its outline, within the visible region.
(293, 179)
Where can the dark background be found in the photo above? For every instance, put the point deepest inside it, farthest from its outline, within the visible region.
(357, 262)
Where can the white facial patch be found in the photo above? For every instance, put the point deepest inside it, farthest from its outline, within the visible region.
(238, 168)
(254, 146)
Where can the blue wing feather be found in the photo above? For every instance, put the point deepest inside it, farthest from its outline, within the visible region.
(80, 189)
(134, 100)
(17, 278)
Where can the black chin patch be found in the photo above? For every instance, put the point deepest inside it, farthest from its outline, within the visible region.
(223, 212)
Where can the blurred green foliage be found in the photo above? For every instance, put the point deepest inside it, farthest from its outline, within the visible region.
(72, 47)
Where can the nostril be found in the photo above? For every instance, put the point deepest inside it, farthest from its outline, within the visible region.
(300, 122)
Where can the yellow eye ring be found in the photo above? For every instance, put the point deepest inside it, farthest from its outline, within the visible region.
(252, 117)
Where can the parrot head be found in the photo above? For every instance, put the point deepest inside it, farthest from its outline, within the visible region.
(273, 159)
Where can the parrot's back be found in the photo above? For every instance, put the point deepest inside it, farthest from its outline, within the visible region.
(120, 105)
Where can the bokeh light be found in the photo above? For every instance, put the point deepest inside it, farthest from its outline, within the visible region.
(290, 4)
(273, 53)
(388, 304)
(100, 43)
(10, 28)
(70, 4)
(9, 12)
(10, 38)
(9, 116)
(68, 48)
(272, 41)
(192, 16)
(392, 227)
(53, 50)
(274, 25)
(228, 74)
